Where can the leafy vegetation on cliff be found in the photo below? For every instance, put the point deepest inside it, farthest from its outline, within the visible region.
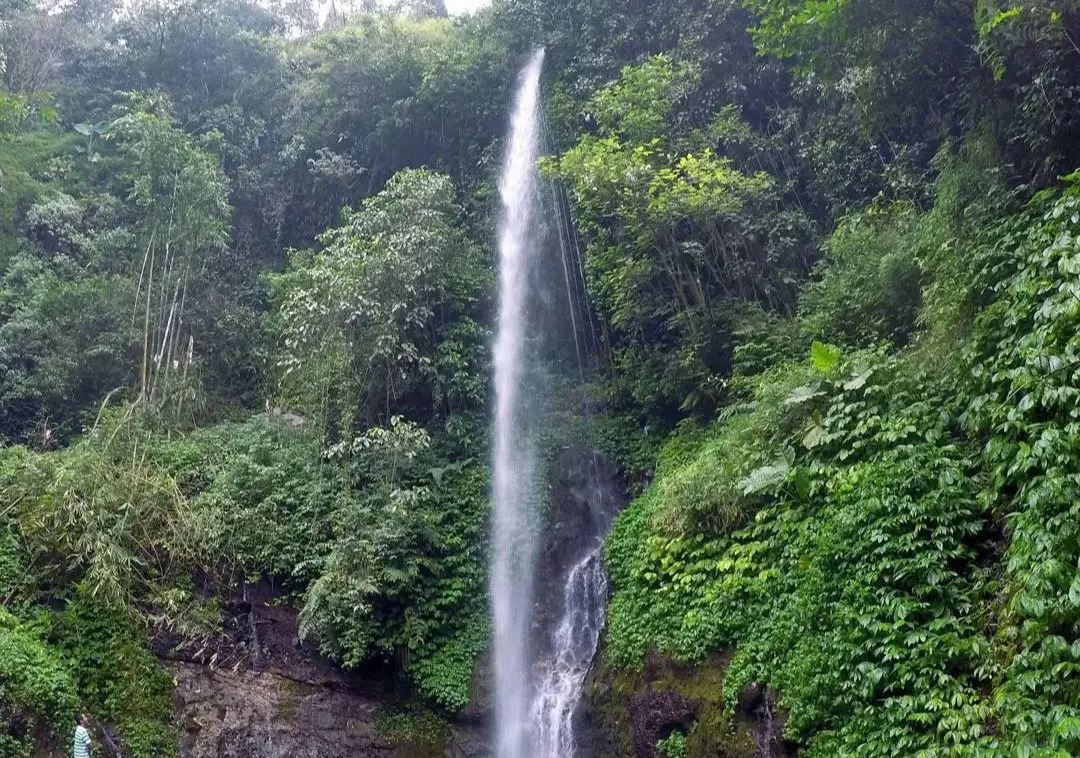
(886, 539)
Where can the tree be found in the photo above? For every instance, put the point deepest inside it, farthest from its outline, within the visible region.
(1033, 53)
(360, 321)
(65, 342)
(375, 556)
(421, 8)
(117, 288)
(672, 229)
(383, 94)
(32, 45)
(180, 194)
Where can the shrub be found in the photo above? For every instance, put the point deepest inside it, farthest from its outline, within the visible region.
(262, 492)
(37, 691)
(119, 679)
(672, 746)
(866, 288)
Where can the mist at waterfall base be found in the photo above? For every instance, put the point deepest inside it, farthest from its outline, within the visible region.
(538, 672)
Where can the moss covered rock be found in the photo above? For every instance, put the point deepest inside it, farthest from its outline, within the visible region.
(627, 713)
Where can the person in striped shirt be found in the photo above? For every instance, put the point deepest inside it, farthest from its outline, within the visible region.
(81, 747)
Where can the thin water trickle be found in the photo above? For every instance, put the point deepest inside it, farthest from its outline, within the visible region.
(573, 648)
(512, 457)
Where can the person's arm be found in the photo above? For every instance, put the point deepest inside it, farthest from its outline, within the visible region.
(87, 743)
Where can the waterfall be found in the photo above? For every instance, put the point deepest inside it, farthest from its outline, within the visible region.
(512, 458)
(573, 647)
(534, 705)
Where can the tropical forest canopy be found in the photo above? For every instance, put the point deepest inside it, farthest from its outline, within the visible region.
(831, 253)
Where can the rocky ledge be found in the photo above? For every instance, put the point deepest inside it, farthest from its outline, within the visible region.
(257, 692)
(625, 714)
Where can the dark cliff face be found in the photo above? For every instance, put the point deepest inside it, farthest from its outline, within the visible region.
(585, 498)
(259, 693)
(625, 714)
(266, 714)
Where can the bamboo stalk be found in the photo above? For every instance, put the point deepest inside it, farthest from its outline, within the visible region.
(142, 275)
(143, 378)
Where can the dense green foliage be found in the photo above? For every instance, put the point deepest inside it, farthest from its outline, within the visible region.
(842, 528)
(671, 232)
(381, 315)
(36, 690)
(828, 278)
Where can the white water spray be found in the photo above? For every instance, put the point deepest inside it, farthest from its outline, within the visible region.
(514, 535)
(573, 648)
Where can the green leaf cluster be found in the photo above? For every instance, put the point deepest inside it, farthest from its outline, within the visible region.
(672, 746)
(360, 323)
(1024, 406)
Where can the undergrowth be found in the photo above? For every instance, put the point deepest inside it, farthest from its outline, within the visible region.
(888, 535)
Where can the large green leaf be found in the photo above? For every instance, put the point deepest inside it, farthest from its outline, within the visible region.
(825, 357)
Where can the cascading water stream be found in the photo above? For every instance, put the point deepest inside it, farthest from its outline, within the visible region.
(534, 706)
(512, 459)
(573, 648)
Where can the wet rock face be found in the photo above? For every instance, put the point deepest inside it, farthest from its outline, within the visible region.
(249, 714)
(654, 716)
(629, 712)
(760, 712)
(585, 498)
(257, 692)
